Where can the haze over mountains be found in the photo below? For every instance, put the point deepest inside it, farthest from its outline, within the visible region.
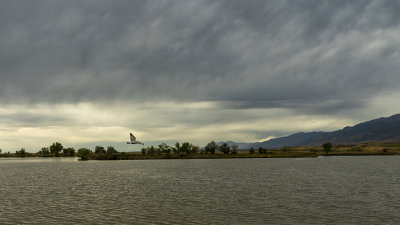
(382, 129)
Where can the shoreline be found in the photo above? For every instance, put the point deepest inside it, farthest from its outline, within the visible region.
(365, 149)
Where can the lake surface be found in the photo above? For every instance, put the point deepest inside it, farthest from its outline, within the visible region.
(326, 190)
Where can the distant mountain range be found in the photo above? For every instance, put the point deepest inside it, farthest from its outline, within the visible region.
(382, 129)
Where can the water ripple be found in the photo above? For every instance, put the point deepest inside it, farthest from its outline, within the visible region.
(332, 190)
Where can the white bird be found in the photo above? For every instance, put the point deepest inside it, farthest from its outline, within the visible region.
(133, 140)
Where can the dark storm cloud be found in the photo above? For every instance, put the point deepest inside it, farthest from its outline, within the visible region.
(258, 54)
(31, 120)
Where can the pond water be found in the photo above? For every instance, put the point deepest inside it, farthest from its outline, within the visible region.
(324, 190)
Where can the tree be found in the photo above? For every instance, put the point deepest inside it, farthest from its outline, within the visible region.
(251, 150)
(20, 153)
(0, 150)
(224, 148)
(144, 151)
(99, 149)
(234, 148)
(111, 150)
(164, 148)
(83, 153)
(211, 147)
(262, 150)
(68, 152)
(177, 148)
(151, 150)
(56, 148)
(186, 148)
(157, 151)
(194, 149)
(44, 151)
(327, 147)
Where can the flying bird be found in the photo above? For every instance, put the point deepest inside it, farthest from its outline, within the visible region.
(133, 140)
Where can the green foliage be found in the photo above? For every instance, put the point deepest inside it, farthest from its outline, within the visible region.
(327, 147)
(83, 153)
(194, 149)
(99, 149)
(262, 150)
(56, 148)
(186, 148)
(149, 150)
(44, 151)
(224, 148)
(176, 148)
(111, 150)
(157, 151)
(164, 148)
(20, 153)
(68, 152)
(251, 150)
(211, 147)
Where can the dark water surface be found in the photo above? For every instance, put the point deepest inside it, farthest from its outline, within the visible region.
(329, 190)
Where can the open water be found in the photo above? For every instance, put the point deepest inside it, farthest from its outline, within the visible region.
(326, 190)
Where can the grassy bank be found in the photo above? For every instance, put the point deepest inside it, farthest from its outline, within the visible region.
(287, 152)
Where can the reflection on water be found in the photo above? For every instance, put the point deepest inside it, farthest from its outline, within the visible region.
(330, 190)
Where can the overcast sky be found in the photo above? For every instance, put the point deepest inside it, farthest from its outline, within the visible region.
(82, 72)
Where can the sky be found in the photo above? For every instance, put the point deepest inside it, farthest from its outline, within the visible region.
(89, 72)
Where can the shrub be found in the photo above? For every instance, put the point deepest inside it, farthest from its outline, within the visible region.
(224, 148)
(56, 148)
(83, 153)
(211, 147)
(99, 149)
(20, 153)
(327, 147)
(111, 149)
(251, 150)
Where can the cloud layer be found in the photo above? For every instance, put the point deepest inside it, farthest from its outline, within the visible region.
(332, 60)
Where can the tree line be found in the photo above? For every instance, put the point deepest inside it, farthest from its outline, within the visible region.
(57, 150)
(187, 148)
(178, 149)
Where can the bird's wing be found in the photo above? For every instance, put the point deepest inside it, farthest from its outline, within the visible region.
(133, 137)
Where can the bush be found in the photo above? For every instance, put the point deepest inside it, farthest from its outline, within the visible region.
(84, 153)
(56, 148)
(20, 153)
(68, 152)
(251, 150)
(111, 149)
(224, 148)
(262, 150)
(211, 147)
(327, 147)
(45, 151)
(99, 149)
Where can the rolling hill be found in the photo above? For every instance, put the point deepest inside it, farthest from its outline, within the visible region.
(382, 129)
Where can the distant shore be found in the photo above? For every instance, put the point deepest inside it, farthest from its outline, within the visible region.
(286, 152)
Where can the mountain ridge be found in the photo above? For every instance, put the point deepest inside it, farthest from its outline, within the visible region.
(380, 129)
